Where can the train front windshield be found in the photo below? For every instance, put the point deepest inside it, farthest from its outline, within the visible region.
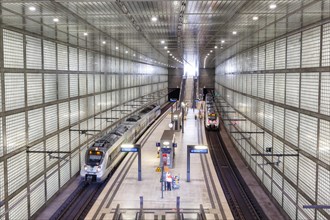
(212, 117)
(94, 157)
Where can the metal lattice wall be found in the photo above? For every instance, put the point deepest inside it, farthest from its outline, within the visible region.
(48, 87)
(282, 87)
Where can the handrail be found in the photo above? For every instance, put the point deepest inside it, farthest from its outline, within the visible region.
(117, 214)
(202, 212)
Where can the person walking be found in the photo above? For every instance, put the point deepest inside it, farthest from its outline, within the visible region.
(169, 181)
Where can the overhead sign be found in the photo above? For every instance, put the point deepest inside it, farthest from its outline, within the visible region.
(173, 100)
(128, 149)
(199, 151)
(157, 144)
(174, 144)
(158, 170)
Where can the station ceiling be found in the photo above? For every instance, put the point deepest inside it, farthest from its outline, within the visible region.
(150, 30)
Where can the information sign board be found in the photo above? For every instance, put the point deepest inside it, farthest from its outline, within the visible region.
(166, 150)
(128, 149)
(199, 151)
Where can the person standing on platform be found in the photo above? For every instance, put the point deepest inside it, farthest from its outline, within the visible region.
(169, 181)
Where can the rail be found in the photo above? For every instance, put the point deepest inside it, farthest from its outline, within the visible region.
(240, 199)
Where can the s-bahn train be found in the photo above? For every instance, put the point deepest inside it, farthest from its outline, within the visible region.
(211, 116)
(103, 155)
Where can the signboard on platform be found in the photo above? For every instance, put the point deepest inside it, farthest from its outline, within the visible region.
(166, 150)
(128, 149)
(199, 151)
(173, 100)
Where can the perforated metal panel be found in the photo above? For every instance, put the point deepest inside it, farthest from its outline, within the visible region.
(16, 172)
(15, 131)
(74, 112)
(13, 49)
(326, 45)
(65, 172)
(35, 125)
(14, 91)
(34, 89)
(62, 57)
(52, 183)
(325, 94)
(73, 59)
(33, 53)
(309, 91)
(18, 206)
(292, 89)
(307, 176)
(288, 202)
(36, 161)
(51, 118)
(324, 141)
(291, 126)
(50, 85)
(74, 84)
(37, 196)
(49, 54)
(280, 57)
(293, 51)
(311, 48)
(63, 86)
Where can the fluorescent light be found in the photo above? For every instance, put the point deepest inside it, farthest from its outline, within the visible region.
(162, 42)
(168, 51)
(127, 146)
(32, 8)
(126, 51)
(85, 34)
(154, 19)
(165, 48)
(166, 143)
(56, 20)
(200, 147)
(117, 48)
(215, 47)
(133, 55)
(211, 51)
(255, 18)
(272, 6)
(104, 42)
(170, 54)
(222, 41)
(234, 32)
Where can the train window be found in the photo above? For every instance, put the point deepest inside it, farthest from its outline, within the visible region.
(99, 144)
(94, 157)
(134, 118)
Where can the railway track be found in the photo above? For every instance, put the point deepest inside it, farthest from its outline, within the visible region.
(82, 199)
(240, 199)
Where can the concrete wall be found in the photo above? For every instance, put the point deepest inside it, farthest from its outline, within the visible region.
(174, 77)
(206, 78)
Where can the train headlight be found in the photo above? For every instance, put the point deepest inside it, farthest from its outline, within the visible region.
(98, 169)
(85, 167)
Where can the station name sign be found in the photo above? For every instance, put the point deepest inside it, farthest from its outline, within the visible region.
(199, 151)
(128, 149)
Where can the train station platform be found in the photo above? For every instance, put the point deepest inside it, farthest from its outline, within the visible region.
(125, 190)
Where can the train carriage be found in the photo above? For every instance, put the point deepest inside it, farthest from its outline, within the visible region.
(103, 155)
